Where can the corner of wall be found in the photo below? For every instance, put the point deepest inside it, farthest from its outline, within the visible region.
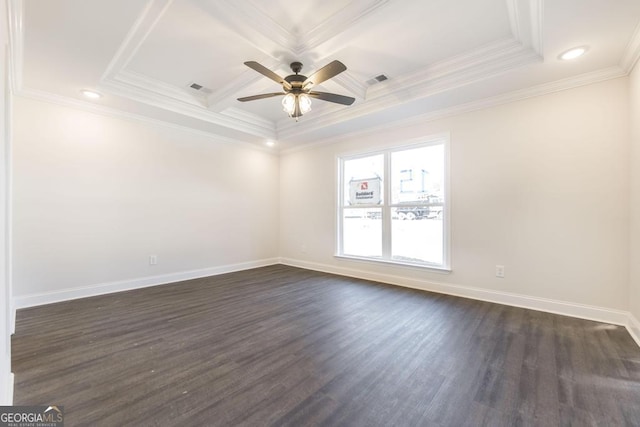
(634, 198)
(633, 326)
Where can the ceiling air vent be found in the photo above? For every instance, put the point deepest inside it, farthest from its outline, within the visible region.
(198, 87)
(377, 79)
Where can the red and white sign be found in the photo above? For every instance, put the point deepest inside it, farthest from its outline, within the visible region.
(365, 191)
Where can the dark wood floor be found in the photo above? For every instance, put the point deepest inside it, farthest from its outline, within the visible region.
(285, 346)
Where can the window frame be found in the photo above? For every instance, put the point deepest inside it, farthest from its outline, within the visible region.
(386, 206)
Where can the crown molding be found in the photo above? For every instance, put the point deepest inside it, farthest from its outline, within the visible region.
(93, 108)
(537, 26)
(514, 18)
(15, 9)
(632, 52)
(526, 21)
(253, 25)
(267, 35)
(495, 51)
(525, 47)
(244, 116)
(346, 17)
(119, 81)
(510, 97)
(492, 60)
(353, 85)
(256, 27)
(255, 126)
(159, 87)
(146, 22)
(219, 99)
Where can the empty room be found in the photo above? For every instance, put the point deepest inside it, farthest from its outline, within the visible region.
(337, 213)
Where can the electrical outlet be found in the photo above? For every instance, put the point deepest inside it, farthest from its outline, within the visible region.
(153, 259)
(500, 271)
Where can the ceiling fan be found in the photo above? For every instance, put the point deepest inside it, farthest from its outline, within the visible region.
(297, 88)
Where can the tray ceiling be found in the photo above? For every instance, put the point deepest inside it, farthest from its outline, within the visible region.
(438, 55)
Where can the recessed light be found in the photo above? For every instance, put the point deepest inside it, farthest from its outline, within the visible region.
(269, 143)
(573, 53)
(91, 94)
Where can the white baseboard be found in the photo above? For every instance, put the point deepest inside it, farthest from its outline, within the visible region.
(127, 285)
(582, 311)
(600, 314)
(633, 326)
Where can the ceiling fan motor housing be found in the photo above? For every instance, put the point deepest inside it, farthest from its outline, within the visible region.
(295, 80)
(297, 87)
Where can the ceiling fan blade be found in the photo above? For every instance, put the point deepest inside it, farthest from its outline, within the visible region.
(262, 96)
(332, 97)
(268, 73)
(330, 70)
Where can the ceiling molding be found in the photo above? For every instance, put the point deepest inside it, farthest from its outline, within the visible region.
(332, 26)
(257, 127)
(256, 27)
(537, 26)
(489, 53)
(138, 87)
(510, 97)
(261, 27)
(148, 19)
(276, 42)
(261, 30)
(353, 85)
(160, 88)
(632, 52)
(526, 21)
(15, 9)
(494, 59)
(244, 116)
(221, 97)
(136, 118)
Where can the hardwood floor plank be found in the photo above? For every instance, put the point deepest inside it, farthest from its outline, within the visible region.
(284, 346)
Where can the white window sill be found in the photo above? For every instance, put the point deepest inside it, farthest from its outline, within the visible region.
(433, 268)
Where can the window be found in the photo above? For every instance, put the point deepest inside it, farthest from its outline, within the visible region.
(393, 205)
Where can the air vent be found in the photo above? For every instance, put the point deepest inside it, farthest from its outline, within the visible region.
(377, 79)
(199, 88)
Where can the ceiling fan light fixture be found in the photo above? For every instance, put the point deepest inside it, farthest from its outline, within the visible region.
(295, 105)
(297, 88)
(305, 103)
(289, 104)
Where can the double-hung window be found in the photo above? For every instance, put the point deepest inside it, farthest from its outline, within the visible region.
(393, 205)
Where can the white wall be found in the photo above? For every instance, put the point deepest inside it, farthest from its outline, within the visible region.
(540, 186)
(634, 255)
(6, 381)
(95, 195)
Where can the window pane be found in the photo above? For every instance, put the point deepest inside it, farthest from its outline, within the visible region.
(417, 175)
(417, 234)
(363, 180)
(362, 232)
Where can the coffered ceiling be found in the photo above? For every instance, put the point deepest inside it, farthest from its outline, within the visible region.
(440, 57)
